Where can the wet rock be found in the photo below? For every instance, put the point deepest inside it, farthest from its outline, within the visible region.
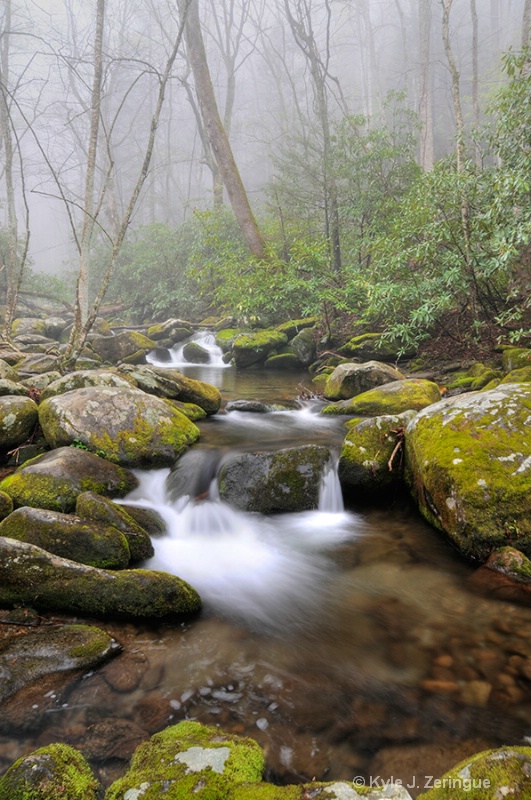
(31, 576)
(295, 326)
(193, 474)
(84, 377)
(92, 506)
(368, 448)
(349, 380)
(304, 346)
(389, 398)
(18, 417)
(288, 480)
(196, 353)
(95, 544)
(50, 773)
(174, 329)
(253, 348)
(54, 480)
(468, 464)
(140, 430)
(250, 406)
(172, 384)
(285, 361)
(113, 739)
(125, 672)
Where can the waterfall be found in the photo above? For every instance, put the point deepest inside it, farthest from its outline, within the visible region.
(205, 339)
(331, 495)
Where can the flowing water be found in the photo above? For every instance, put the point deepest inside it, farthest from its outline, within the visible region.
(347, 640)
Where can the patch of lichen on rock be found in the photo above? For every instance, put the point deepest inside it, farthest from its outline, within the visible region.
(190, 760)
(52, 772)
(492, 774)
(390, 398)
(468, 464)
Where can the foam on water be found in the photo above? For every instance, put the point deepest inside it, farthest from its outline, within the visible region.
(207, 341)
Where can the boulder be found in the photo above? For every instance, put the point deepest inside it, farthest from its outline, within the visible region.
(469, 466)
(55, 479)
(94, 507)
(187, 390)
(516, 358)
(37, 363)
(81, 378)
(287, 480)
(174, 329)
(349, 380)
(7, 372)
(18, 417)
(249, 406)
(190, 760)
(284, 361)
(196, 353)
(130, 427)
(41, 381)
(93, 543)
(14, 388)
(123, 346)
(6, 505)
(521, 375)
(304, 346)
(294, 326)
(33, 577)
(54, 326)
(369, 346)
(225, 338)
(52, 772)
(27, 326)
(250, 349)
(365, 458)
(389, 398)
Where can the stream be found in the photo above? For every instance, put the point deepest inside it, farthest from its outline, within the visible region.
(348, 641)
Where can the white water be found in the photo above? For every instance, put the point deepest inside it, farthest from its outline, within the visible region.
(267, 572)
(206, 339)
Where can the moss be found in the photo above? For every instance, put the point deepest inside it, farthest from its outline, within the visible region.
(460, 381)
(50, 773)
(505, 772)
(511, 562)
(284, 361)
(253, 347)
(390, 398)
(486, 377)
(521, 375)
(96, 642)
(190, 410)
(294, 326)
(94, 507)
(226, 337)
(516, 358)
(6, 505)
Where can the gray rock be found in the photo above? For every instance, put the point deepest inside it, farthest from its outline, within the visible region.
(349, 380)
(18, 417)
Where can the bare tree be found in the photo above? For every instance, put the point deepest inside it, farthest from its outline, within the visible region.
(526, 23)
(425, 90)
(217, 135)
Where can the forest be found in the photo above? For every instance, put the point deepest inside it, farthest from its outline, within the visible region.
(366, 161)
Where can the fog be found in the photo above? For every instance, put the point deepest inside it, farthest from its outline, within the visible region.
(260, 59)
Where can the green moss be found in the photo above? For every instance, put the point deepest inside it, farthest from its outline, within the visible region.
(390, 398)
(460, 381)
(516, 358)
(55, 772)
(505, 772)
(521, 375)
(96, 642)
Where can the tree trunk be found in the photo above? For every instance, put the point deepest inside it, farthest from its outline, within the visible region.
(526, 24)
(475, 77)
(426, 156)
(216, 133)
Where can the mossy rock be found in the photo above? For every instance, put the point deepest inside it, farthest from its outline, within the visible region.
(189, 390)
(195, 353)
(18, 417)
(95, 544)
(348, 380)
(521, 375)
(516, 358)
(190, 760)
(122, 346)
(33, 577)
(369, 346)
(79, 379)
(390, 398)
(283, 361)
(28, 326)
(7, 372)
(140, 430)
(492, 774)
(367, 450)
(8, 387)
(173, 329)
(287, 480)
(488, 376)
(6, 505)
(249, 349)
(37, 364)
(91, 506)
(294, 326)
(460, 382)
(50, 773)
(54, 480)
(225, 338)
(512, 563)
(190, 410)
(469, 465)
(40, 382)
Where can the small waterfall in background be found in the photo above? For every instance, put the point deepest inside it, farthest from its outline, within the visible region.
(207, 353)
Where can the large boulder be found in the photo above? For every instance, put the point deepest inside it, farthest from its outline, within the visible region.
(94, 507)
(371, 457)
(127, 425)
(173, 329)
(349, 380)
(249, 349)
(129, 346)
(195, 353)
(54, 480)
(8, 372)
(69, 536)
(28, 326)
(8, 387)
(304, 346)
(33, 577)
(172, 384)
(469, 466)
(81, 378)
(52, 772)
(389, 398)
(18, 417)
(287, 480)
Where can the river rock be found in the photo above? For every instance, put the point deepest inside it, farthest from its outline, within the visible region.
(52, 772)
(172, 384)
(95, 544)
(284, 361)
(389, 398)
(248, 406)
(304, 346)
(94, 507)
(174, 329)
(54, 480)
(128, 345)
(54, 326)
(469, 466)
(84, 377)
(196, 353)
(18, 417)
(140, 430)
(250, 349)
(367, 450)
(501, 773)
(286, 480)
(190, 760)
(349, 380)
(34, 577)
